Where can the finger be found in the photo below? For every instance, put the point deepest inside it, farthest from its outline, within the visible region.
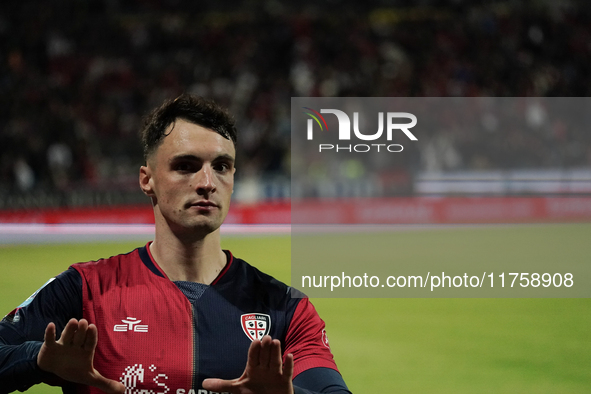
(254, 352)
(49, 337)
(275, 362)
(288, 367)
(107, 385)
(80, 334)
(265, 354)
(69, 331)
(91, 338)
(219, 385)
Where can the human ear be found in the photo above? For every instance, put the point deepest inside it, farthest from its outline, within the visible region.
(146, 182)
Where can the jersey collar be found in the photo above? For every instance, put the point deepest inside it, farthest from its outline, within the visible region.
(151, 264)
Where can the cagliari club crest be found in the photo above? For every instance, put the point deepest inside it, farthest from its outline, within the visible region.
(255, 325)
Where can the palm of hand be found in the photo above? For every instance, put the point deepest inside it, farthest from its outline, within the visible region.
(264, 372)
(71, 357)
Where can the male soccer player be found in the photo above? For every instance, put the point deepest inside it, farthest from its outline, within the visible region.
(179, 315)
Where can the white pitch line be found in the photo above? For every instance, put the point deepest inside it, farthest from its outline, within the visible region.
(60, 233)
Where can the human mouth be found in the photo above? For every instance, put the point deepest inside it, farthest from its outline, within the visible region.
(204, 205)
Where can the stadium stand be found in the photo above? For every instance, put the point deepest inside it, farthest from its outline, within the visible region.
(77, 77)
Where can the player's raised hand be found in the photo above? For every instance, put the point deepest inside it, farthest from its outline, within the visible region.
(264, 372)
(71, 357)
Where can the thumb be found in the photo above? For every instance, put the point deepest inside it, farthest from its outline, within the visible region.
(218, 385)
(288, 367)
(107, 385)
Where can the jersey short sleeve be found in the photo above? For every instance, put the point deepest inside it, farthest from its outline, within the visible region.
(306, 339)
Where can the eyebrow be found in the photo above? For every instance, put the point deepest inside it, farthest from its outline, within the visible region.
(190, 157)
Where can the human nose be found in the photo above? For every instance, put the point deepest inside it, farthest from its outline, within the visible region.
(205, 183)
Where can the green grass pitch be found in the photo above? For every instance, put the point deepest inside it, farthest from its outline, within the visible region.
(397, 345)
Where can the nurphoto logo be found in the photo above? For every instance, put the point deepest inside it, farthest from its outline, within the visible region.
(392, 120)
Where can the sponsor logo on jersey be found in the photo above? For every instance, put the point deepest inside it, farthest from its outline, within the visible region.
(255, 325)
(150, 380)
(131, 324)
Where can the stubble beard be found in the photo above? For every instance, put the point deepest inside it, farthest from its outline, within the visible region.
(200, 225)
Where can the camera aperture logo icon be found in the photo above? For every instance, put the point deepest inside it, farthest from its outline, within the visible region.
(315, 117)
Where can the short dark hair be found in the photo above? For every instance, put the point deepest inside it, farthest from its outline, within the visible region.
(194, 109)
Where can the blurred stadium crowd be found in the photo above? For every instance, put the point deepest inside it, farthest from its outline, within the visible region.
(77, 76)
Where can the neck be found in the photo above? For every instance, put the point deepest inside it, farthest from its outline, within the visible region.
(199, 259)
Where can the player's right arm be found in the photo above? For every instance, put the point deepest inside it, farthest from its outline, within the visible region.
(22, 331)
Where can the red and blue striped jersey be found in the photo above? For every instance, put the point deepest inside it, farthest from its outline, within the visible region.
(159, 336)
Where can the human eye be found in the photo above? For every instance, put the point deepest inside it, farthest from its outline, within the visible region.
(221, 167)
(183, 166)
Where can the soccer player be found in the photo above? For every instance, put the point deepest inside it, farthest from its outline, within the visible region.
(179, 315)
